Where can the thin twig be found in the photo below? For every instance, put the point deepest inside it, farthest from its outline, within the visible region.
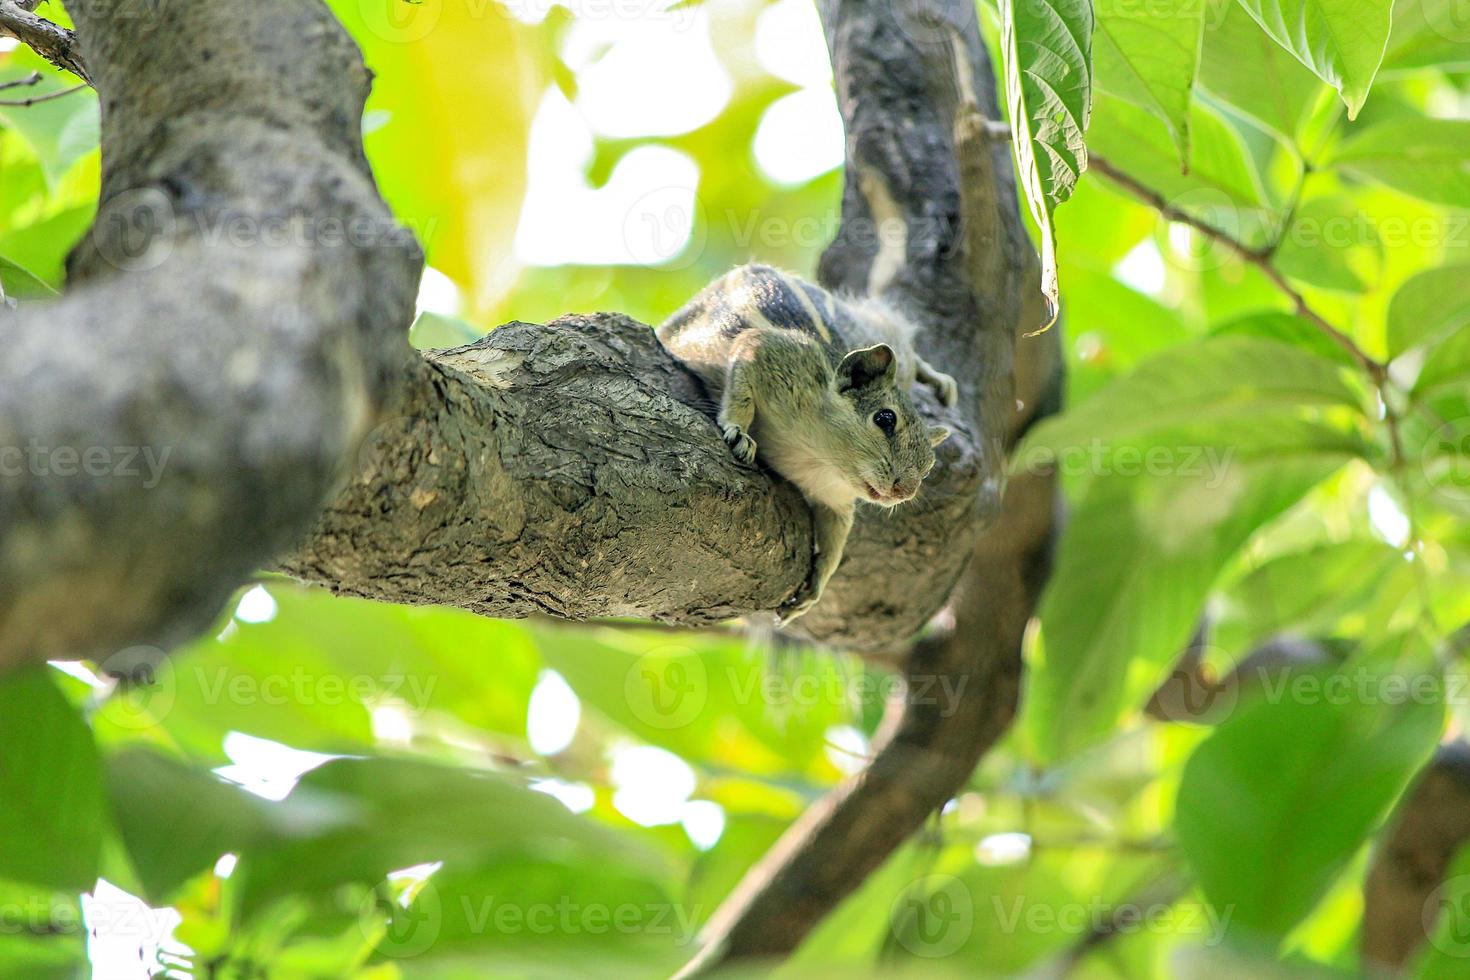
(1260, 258)
(37, 99)
(33, 79)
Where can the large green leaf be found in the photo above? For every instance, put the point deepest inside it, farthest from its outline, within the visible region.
(1149, 54)
(1428, 306)
(1419, 156)
(1217, 377)
(1047, 47)
(17, 282)
(405, 813)
(1428, 34)
(1135, 566)
(1342, 41)
(51, 810)
(1273, 805)
(1243, 66)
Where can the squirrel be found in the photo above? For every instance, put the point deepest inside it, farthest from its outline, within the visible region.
(815, 386)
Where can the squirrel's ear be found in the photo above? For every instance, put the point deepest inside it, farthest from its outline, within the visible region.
(871, 365)
(938, 434)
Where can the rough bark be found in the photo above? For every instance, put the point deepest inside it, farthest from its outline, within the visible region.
(209, 327)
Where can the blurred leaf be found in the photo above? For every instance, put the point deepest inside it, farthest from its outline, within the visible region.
(177, 821)
(1242, 65)
(434, 330)
(312, 676)
(454, 174)
(61, 130)
(1221, 186)
(1342, 41)
(51, 811)
(1330, 245)
(1421, 157)
(1047, 48)
(1275, 802)
(42, 247)
(1428, 306)
(1211, 378)
(18, 283)
(405, 813)
(521, 913)
(1149, 54)
(1135, 565)
(44, 936)
(1448, 362)
(1286, 328)
(1428, 34)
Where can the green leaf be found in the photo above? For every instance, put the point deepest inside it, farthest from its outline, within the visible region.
(1149, 54)
(434, 330)
(1273, 805)
(456, 179)
(177, 821)
(1047, 47)
(1217, 377)
(1342, 41)
(18, 283)
(1444, 956)
(1286, 328)
(42, 246)
(1330, 245)
(1221, 187)
(51, 812)
(1243, 66)
(62, 130)
(1448, 363)
(405, 813)
(1428, 34)
(1429, 306)
(1135, 566)
(1421, 157)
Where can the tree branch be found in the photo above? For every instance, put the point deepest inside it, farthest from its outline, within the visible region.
(178, 418)
(56, 44)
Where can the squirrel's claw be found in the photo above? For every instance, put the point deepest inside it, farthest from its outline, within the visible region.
(947, 389)
(797, 606)
(740, 443)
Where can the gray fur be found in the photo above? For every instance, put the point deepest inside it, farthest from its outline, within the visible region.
(802, 377)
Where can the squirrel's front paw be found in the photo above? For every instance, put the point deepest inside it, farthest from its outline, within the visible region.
(796, 607)
(740, 443)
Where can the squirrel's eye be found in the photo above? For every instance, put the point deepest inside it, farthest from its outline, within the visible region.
(885, 419)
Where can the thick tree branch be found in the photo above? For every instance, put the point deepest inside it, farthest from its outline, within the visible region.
(178, 418)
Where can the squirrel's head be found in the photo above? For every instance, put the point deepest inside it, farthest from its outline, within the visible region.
(890, 445)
